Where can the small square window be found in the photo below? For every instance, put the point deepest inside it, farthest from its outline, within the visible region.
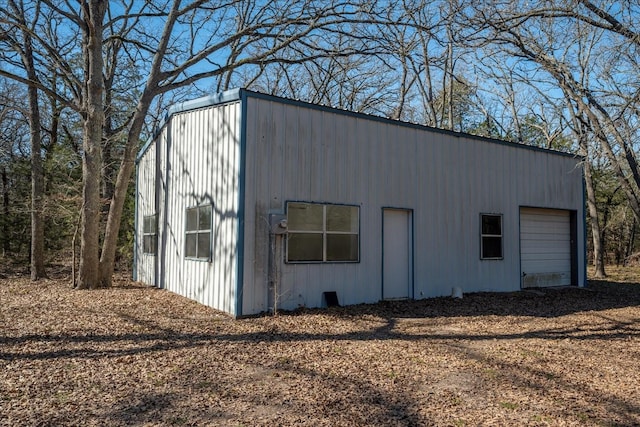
(491, 236)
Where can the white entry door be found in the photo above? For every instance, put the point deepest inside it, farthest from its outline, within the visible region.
(397, 254)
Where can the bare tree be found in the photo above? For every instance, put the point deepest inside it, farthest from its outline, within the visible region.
(14, 179)
(191, 46)
(583, 48)
(262, 32)
(118, 62)
(22, 44)
(580, 128)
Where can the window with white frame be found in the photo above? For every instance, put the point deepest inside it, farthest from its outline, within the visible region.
(198, 232)
(491, 236)
(322, 232)
(150, 234)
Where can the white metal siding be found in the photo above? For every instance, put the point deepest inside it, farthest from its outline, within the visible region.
(545, 247)
(301, 153)
(146, 200)
(297, 152)
(199, 163)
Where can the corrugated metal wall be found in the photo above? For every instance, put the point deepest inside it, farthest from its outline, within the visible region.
(199, 163)
(146, 205)
(297, 153)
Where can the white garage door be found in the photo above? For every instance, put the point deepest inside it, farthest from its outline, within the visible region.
(545, 247)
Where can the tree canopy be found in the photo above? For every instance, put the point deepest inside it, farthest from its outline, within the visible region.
(83, 83)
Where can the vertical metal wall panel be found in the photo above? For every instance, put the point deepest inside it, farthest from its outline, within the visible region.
(146, 197)
(199, 163)
(303, 153)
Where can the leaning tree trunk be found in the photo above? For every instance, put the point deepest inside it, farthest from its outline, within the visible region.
(88, 274)
(110, 244)
(107, 260)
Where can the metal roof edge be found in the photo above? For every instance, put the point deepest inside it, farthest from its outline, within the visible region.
(205, 101)
(193, 104)
(336, 110)
(239, 94)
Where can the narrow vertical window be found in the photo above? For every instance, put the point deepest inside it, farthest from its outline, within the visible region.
(491, 236)
(150, 234)
(198, 232)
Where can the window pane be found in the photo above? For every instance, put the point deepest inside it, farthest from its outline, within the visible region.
(492, 247)
(203, 245)
(149, 224)
(304, 247)
(204, 222)
(342, 218)
(342, 247)
(190, 246)
(150, 243)
(304, 217)
(192, 219)
(492, 224)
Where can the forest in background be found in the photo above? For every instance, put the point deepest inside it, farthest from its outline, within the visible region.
(84, 83)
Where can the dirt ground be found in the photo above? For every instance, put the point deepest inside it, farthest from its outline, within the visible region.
(134, 355)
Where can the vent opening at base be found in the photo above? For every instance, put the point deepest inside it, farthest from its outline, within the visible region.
(330, 299)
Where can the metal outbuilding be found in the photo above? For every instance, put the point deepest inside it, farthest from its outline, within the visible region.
(248, 202)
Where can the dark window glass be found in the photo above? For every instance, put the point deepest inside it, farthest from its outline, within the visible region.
(304, 247)
(204, 220)
(342, 218)
(191, 245)
(322, 233)
(492, 247)
(492, 224)
(342, 247)
(491, 237)
(203, 245)
(305, 217)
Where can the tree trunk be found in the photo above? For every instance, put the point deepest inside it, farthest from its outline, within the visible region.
(605, 221)
(37, 190)
(598, 250)
(110, 244)
(6, 248)
(37, 173)
(112, 230)
(597, 232)
(88, 274)
(632, 238)
(107, 155)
